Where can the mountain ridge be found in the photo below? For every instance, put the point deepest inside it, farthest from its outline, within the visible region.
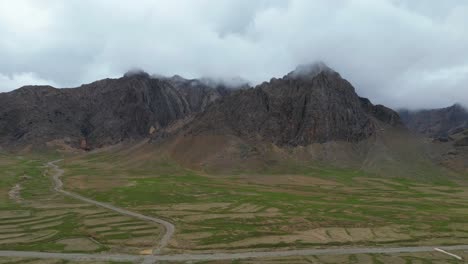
(138, 105)
(436, 123)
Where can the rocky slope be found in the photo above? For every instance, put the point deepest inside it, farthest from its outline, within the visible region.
(436, 123)
(97, 114)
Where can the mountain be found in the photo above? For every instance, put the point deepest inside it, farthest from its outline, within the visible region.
(448, 128)
(305, 118)
(312, 104)
(309, 116)
(436, 123)
(98, 114)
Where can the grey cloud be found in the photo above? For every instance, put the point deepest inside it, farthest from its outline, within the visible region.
(401, 53)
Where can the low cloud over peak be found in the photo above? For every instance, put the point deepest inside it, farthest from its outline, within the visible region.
(401, 53)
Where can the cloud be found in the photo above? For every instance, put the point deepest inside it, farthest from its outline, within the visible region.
(8, 83)
(402, 53)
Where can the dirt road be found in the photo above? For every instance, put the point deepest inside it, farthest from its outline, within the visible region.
(223, 256)
(168, 227)
(196, 257)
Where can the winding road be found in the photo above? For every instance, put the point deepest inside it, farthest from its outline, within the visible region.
(168, 227)
(192, 256)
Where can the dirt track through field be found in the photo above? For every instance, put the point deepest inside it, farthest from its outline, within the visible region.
(198, 256)
(224, 256)
(168, 227)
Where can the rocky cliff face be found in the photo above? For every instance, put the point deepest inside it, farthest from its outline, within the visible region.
(311, 104)
(97, 114)
(436, 122)
(200, 93)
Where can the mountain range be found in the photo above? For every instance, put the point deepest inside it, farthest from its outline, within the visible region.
(311, 114)
(436, 122)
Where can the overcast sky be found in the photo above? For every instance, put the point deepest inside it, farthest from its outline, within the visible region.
(401, 53)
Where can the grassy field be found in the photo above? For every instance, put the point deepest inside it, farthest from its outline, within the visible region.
(291, 207)
(311, 206)
(34, 217)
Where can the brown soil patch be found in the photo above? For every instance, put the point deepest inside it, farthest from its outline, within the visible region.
(11, 229)
(102, 221)
(145, 232)
(50, 213)
(146, 252)
(194, 236)
(90, 212)
(339, 234)
(316, 236)
(30, 237)
(199, 207)
(176, 213)
(459, 226)
(202, 217)
(21, 221)
(272, 210)
(46, 225)
(15, 193)
(138, 227)
(389, 233)
(296, 180)
(78, 244)
(14, 214)
(6, 236)
(144, 241)
(99, 229)
(247, 208)
(43, 220)
(111, 233)
(361, 234)
(60, 205)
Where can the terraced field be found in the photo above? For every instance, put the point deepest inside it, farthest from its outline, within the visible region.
(37, 218)
(317, 206)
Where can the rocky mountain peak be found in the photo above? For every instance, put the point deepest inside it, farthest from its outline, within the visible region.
(313, 104)
(136, 73)
(310, 71)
